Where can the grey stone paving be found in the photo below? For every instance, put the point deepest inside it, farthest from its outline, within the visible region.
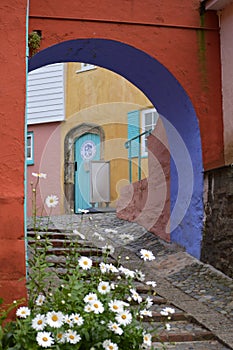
(202, 291)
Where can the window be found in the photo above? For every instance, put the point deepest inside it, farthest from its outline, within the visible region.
(149, 118)
(86, 67)
(30, 148)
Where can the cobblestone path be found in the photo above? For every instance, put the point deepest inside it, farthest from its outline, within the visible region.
(201, 295)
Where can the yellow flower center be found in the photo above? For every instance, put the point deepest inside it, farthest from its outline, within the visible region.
(104, 287)
(85, 262)
(110, 347)
(123, 317)
(39, 322)
(71, 336)
(54, 318)
(96, 306)
(115, 307)
(45, 339)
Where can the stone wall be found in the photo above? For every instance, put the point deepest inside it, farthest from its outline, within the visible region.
(217, 244)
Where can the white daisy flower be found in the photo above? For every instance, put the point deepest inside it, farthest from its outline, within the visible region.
(44, 339)
(147, 255)
(151, 283)
(51, 201)
(112, 268)
(40, 299)
(68, 320)
(97, 307)
(76, 232)
(149, 302)
(90, 297)
(85, 263)
(104, 287)
(136, 296)
(128, 273)
(147, 339)
(72, 337)
(103, 267)
(167, 310)
(124, 318)
(108, 249)
(39, 322)
(116, 305)
(41, 175)
(88, 308)
(140, 275)
(55, 319)
(113, 326)
(77, 319)
(146, 313)
(23, 312)
(109, 345)
(60, 337)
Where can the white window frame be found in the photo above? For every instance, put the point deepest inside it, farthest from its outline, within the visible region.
(144, 127)
(86, 67)
(30, 160)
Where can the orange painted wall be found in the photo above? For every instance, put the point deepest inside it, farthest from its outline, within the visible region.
(12, 101)
(167, 30)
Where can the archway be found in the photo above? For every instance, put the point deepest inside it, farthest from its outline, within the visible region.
(178, 116)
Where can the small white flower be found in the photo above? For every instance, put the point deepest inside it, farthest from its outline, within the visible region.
(147, 255)
(149, 302)
(97, 307)
(109, 345)
(41, 175)
(146, 313)
(77, 319)
(51, 201)
(39, 322)
(136, 296)
(124, 318)
(79, 234)
(88, 308)
(168, 326)
(68, 320)
(104, 287)
(108, 249)
(23, 312)
(44, 339)
(140, 275)
(40, 299)
(72, 337)
(60, 337)
(100, 238)
(112, 268)
(151, 283)
(116, 305)
(167, 310)
(113, 326)
(147, 339)
(90, 297)
(128, 273)
(85, 263)
(103, 267)
(55, 319)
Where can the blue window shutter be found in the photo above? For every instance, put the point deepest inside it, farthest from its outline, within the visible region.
(134, 130)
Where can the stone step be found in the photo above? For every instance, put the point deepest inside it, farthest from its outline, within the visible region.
(197, 345)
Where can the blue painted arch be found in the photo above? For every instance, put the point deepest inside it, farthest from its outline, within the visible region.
(178, 115)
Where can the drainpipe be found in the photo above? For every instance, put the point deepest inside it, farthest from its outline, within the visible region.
(25, 146)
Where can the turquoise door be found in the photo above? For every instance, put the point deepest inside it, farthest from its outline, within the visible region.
(87, 148)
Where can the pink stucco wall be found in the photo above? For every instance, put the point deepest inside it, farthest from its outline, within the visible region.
(226, 24)
(47, 159)
(147, 202)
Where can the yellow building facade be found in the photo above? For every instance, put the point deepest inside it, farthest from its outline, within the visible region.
(98, 104)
